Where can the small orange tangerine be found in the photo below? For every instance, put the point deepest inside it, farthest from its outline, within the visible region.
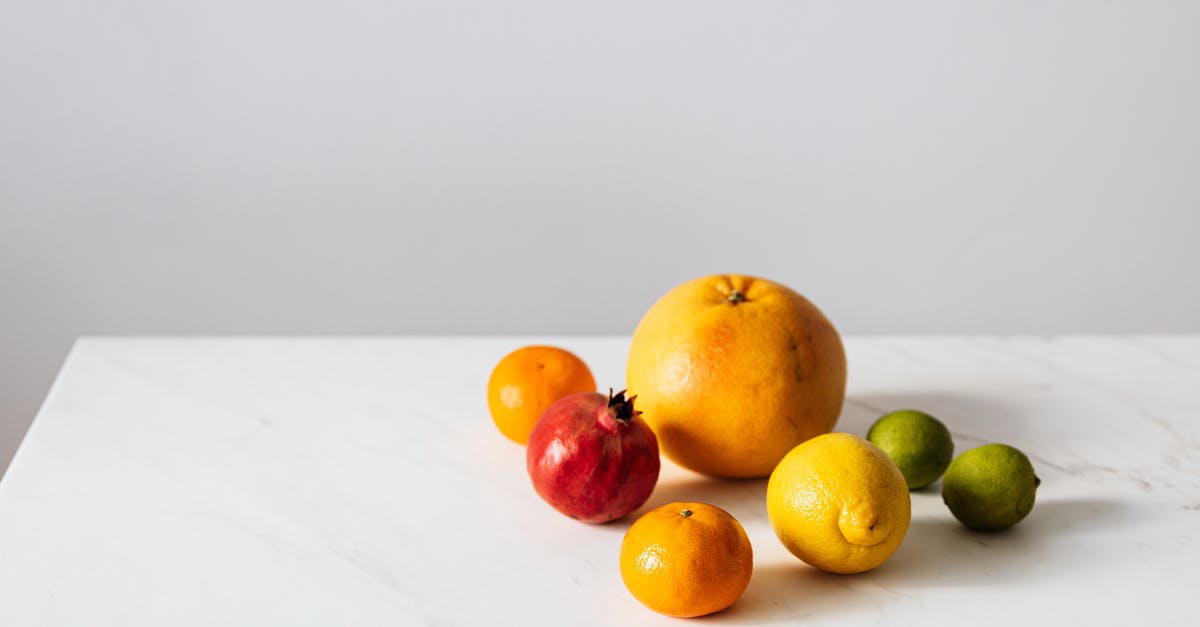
(530, 379)
(686, 559)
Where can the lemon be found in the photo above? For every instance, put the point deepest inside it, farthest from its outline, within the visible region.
(991, 487)
(839, 503)
(919, 444)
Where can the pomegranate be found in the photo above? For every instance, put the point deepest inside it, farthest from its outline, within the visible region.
(593, 458)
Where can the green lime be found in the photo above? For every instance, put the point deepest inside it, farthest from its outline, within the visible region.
(991, 487)
(919, 444)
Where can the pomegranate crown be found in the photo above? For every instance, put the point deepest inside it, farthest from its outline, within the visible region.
(622, 407)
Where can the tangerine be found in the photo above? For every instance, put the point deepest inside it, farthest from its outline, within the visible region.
(527, 381)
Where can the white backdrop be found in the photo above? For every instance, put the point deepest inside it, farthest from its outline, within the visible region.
(538, 166)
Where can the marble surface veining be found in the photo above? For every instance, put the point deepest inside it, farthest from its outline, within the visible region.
(177, 481)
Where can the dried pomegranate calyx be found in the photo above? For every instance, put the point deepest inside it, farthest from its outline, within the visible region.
(622, 407)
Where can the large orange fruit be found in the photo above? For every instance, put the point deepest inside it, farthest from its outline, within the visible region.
(529, 380)
(686, 559)
(733, 371)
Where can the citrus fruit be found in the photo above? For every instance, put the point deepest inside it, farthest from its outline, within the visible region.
(733, 371)
(686, 559)
(527, 381)
(991, 487)
(839, 503)
(920, 445)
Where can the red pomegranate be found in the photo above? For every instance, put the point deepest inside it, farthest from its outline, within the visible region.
(593, 458)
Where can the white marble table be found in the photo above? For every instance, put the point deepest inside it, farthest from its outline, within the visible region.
(360, 482)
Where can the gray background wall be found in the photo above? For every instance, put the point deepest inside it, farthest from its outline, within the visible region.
(546, 166)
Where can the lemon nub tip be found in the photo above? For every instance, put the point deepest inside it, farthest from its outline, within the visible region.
(862, 531)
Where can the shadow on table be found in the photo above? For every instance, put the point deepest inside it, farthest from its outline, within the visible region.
(963, 414)
(940, 550)
(936, 552)
(743, 498)
(789, 591)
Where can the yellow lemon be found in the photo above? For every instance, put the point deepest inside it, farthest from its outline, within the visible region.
(839, 503)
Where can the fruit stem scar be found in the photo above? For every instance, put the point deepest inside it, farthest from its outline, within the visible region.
(685, 513)
(736, 297)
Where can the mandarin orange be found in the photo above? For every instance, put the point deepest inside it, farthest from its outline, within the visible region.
(686, 559)
(529, 380)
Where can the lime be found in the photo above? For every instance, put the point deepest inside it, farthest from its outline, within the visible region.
(919, 444)
(991, 487)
